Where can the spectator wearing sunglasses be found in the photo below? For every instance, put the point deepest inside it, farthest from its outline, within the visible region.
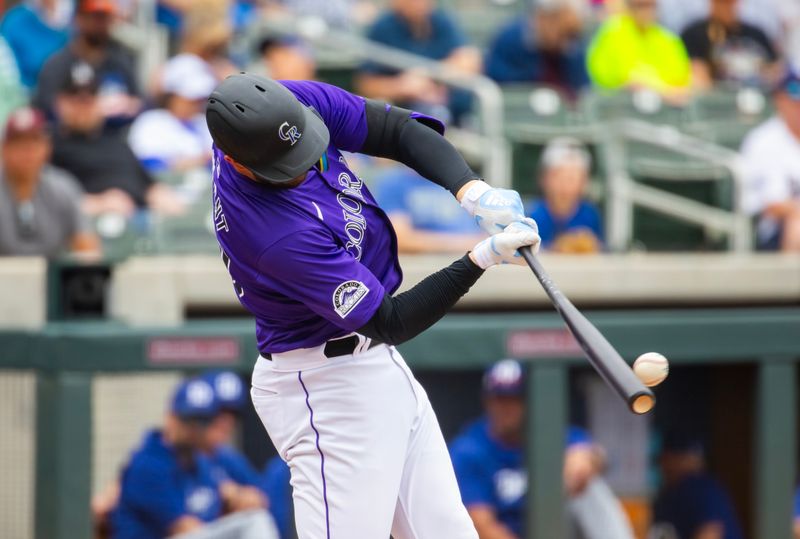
(771, 157)
(40, 206)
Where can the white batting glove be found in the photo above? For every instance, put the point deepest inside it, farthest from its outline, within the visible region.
(493, 209)
(502, 248)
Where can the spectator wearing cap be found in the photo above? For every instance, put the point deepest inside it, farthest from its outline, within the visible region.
(724, 48)
(544, 47)
(113, 64)
(771, 169)
(99, 156)
(631, 50)
(425, 217)
(568, 223)
(35, 30)
(287, 59)
(232, 469)
(489, 464)
(418, 27)
(168, 487)
(691, 503)
(40, 206)
(175, 138)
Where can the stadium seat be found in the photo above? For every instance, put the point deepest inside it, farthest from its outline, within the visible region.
(725, 116)
(643, 105)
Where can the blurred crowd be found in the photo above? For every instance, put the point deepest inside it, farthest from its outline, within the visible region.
(90, 145)
(187, 478)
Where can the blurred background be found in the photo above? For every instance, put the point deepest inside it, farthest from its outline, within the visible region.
(656, 143)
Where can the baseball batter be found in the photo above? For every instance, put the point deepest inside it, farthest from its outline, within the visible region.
(314, 259)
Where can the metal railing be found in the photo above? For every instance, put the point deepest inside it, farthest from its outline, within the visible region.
(623, 193)
(489, 145)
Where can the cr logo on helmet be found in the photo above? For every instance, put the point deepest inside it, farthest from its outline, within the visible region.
(289, 134)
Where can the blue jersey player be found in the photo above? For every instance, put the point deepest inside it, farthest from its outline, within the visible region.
(168, 486)
(314, 258)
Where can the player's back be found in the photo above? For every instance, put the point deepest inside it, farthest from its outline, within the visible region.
(286, 249)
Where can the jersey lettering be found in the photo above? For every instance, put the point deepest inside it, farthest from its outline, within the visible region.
(355, 224)
(220, 222)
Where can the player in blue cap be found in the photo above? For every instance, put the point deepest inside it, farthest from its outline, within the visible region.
(488, 457)
(168, 487)
(691, 503)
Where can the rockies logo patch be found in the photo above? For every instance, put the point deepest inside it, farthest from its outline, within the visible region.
(347, 296)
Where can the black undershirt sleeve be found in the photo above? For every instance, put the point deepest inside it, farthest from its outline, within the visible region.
(406, 315)
(393, 134)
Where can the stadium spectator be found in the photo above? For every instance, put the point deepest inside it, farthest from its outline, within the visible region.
(207, 33)
(286, 59)
(35, 30)
(691, 503)
(677, 15)
(10, 83)
(489, 464)
(168, 487)
(544, 47)
(418, 27)
(275, 481)
(568, 223)
(98, 155)
(631, 50)
(241, 14)
(425, 217)
(771, 159)
(175, 138)
(723, 48)
(40, 206)
(113, 64)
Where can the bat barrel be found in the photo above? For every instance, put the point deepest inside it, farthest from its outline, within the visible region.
(603, 357)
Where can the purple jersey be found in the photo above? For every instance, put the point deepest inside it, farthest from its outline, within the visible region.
(311, 262)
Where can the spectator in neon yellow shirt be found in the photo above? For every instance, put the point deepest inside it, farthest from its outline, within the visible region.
(631, 50)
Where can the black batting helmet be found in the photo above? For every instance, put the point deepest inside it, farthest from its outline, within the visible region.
(261, 125)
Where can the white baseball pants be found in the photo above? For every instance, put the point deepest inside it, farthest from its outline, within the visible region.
(366, 453)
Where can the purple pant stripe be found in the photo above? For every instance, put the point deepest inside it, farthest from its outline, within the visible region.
(321, 457)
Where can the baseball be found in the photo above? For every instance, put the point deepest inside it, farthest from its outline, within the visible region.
(651, 368)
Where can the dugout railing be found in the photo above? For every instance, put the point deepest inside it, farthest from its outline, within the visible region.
(63, 359)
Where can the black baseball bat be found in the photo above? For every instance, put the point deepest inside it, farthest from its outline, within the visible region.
(603, 357)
